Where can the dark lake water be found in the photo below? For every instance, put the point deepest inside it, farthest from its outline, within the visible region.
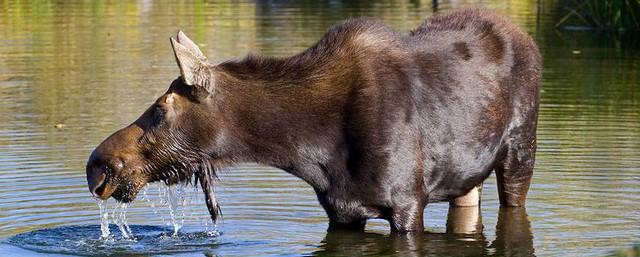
(72, 73)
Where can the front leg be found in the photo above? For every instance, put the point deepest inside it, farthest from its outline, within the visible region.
(343, 214)
(408, 218)
(356, 225)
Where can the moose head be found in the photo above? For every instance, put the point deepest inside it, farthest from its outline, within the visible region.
(177, 139)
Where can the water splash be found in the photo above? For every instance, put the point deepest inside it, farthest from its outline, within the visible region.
(121, 220)
(174, 205)
(172, 201)
(78, 241)
(104, 220)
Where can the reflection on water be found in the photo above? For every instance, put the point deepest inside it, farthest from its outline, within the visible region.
(513, 237)
(464, 220)
(72, 73)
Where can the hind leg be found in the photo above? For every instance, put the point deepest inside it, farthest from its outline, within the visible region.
(514, 172)
(472, 198)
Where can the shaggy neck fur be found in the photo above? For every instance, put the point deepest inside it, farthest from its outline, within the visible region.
(290, 112)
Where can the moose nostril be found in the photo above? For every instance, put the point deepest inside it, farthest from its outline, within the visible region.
(97, 183)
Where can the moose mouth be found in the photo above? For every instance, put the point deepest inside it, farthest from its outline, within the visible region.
(123, 185)
(120, 190)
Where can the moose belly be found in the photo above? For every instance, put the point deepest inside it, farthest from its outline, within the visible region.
(456, 169)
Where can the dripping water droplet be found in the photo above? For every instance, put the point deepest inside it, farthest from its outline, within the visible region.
(172, 202)
(121, 220)
(104, 220)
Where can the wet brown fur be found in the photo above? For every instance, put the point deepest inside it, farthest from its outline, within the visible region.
(378, 123)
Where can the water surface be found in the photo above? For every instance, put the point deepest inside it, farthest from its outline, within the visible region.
(72, 73)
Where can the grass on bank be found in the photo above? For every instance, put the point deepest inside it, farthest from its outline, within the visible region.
(615, 15)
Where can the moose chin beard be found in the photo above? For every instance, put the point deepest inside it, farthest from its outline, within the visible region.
(127, 192)
(124, 197)
(203, 174)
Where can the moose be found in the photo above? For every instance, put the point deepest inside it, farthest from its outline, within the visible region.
(379, 123)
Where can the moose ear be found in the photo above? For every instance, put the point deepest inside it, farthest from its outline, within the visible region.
(188, 62)
(189, 44)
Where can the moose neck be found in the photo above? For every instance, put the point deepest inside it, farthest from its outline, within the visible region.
(287, 113)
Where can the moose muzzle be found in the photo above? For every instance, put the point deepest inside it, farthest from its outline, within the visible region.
(107, 164)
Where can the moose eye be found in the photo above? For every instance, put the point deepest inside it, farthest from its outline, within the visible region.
(158, 115)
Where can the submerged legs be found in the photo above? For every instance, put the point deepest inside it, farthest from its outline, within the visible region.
(354, 226)
(408, 218)
(464, 213)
